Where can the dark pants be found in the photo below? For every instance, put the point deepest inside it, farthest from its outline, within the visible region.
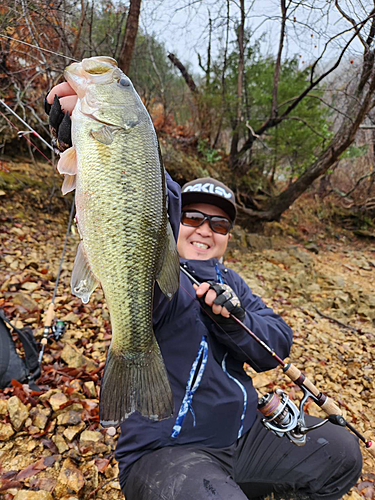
(258, 464)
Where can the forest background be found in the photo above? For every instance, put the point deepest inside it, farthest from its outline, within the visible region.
(278, 102)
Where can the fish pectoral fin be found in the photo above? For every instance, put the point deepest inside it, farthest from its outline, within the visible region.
(82, 282)
(104, 134)
(68, 162)
(68, 165)
(168, 276)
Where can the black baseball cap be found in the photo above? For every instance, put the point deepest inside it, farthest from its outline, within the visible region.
(211, 191)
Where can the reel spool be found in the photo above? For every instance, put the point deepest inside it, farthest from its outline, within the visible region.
(282, 417)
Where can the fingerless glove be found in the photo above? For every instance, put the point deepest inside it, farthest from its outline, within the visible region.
(228, 299)
(60, 125)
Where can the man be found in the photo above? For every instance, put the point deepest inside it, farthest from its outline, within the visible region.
(215, 446)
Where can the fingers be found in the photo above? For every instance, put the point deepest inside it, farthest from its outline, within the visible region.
(68, 97)
(62, 90)
(210, 296)
(68, 103)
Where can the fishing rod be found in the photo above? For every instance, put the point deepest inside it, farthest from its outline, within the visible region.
(281, 415)
(34, 132)
(52, 327)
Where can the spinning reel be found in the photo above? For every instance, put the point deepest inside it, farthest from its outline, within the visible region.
(282, 417)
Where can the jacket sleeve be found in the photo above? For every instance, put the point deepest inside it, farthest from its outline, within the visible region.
(174, 211)
(261, 320)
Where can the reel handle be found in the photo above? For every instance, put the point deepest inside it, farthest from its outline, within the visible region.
(329, 406)
(326, 403)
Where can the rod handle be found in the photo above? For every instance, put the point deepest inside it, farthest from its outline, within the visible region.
(329, 406)
(50, 315)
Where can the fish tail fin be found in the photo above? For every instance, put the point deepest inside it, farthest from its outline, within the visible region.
(134, 382)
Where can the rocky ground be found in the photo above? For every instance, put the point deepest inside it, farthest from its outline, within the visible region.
(321, 279)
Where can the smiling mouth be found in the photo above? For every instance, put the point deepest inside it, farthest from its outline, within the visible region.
(200, 245)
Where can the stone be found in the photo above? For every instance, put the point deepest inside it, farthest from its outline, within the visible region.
(3, 407)
(71, 432)
(259, 242)
(56, 400)
(24, 300)
(71, 476)
(60, 443)
(33, 495)
(6, 431)
(94, 436)
(73, 358)
(18, 412)
(40, 417)
(91, 388)
(69, 418)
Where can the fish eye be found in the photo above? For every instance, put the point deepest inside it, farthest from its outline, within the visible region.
(124, 82)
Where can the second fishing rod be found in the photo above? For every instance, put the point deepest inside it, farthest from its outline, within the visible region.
(281, 415)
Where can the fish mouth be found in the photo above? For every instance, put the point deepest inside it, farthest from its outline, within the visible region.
(98, 65)
(98, 70)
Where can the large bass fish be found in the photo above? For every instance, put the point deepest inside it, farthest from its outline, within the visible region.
(126, 239)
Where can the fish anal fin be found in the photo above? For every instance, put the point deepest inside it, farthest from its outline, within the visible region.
(134, 382)
(168, 276)
(82, 282)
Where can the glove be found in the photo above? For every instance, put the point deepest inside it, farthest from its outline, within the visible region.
(228, 299)
(60, 125)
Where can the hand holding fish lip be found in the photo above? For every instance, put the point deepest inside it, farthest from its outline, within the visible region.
(59, 105)
(67, 96)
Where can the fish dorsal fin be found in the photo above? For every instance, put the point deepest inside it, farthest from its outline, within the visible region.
(168, 276)
(82, 282)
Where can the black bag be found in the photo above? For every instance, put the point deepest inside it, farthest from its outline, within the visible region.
(12, 366)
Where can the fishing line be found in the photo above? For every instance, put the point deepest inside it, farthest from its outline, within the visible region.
(26, 125)
(26, 138)
(64, 249)
(309, 389)
(39, 48)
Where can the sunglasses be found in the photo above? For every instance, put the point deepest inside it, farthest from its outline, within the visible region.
(195, 218)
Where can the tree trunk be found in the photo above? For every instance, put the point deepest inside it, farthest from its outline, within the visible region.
(355, 112)
(233, 157)
(131, 29)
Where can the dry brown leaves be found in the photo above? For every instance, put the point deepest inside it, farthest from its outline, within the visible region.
(59, 449)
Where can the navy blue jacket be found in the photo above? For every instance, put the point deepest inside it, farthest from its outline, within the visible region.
(215, 401)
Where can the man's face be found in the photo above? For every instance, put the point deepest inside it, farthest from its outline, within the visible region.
(201, 243)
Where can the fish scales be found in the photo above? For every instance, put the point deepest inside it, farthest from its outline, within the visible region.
(126, 238)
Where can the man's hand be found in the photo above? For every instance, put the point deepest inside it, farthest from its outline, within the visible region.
(68, 97)
(59, 105)
(221, 299)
